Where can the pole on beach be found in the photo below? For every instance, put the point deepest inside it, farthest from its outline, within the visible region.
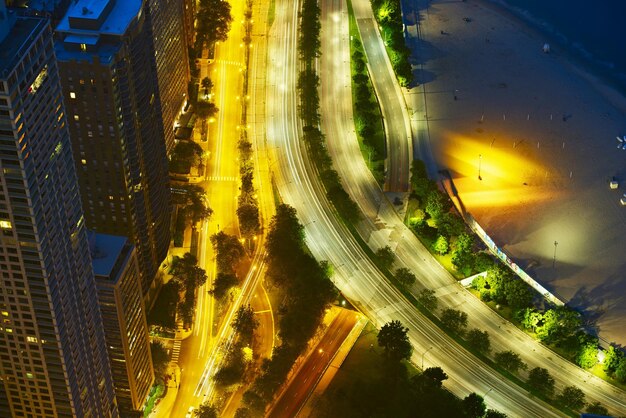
(554, 257)
(480, 160)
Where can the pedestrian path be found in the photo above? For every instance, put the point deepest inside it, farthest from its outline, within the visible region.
(229, 62)
(221, 178)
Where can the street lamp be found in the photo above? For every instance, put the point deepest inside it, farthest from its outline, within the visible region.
(423, 354)
(480, 160)
(554, 258)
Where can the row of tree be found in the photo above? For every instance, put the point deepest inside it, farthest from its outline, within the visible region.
(213, 20)
(192, 207)
(366, 111)
(184, 156)
(307, 293)
(308, 83)
(228, 253)
(388, 13)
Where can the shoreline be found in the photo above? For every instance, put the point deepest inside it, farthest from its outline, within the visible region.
(607, 84)
(544, 127)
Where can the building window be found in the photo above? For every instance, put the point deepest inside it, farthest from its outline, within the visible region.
(83, 47)
(72, 95)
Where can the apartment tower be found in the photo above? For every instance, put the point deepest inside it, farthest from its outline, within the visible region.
(109, 78)
(124, 318)
(53, 360)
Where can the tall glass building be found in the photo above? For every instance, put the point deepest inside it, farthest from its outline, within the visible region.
(53, 360)
(109, 78)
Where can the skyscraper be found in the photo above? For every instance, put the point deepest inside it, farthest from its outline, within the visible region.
(124, 319)
(53, 361)
(109, 79)
(170, 53)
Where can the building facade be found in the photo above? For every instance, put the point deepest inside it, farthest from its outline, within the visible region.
(53, 361)
(124, 318)
(170, 54)
(109, 79)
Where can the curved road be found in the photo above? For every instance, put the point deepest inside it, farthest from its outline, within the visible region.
(383, 227)
(329, 239)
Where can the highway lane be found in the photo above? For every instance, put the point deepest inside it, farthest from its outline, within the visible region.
(329, 239)
(393, 107)
(383, 227)
(304, 381)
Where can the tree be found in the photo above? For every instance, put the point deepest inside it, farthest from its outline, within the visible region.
(229, 251)
(479, 340)
(243, 413)
(483, 261)
(597, 408)
(248, 215)
(207, 85)
(474, 406)
(385, 256)
(191, 200)
(454, 320)
(186, 154)
(405, 277)
(206, 410)
(213, 22)
(223, 283)
(431, 377)
(159, 358)
(588, 355)
(620, 372)
(205, 109)
(450, 224)
(436, 204)
(492, 413)
(245, 323)
(395, 341)
(517, 294)
(185, 270)
(510, 361)
(441, 245)
(612, 359)
(428, 299)
(541, 380)
(572, 397)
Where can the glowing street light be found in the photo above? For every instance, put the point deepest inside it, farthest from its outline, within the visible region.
(480, 160)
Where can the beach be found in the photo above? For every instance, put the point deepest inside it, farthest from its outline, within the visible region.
(529, 139)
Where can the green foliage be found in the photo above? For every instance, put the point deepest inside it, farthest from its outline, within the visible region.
(440, 246)
(243, 413)
(205, 109)
(517, 294)
(308, 82)
(420, 184)
(229, 251)
(483, 261)
(437, 204)
(163, 313)
(450, 224)
(454, 320)
(206, 410)
(405, 276)
(474, 406)
(428, 299)
(187, 273)
(309, 42)
(541, 380)
(160, 359)
(588, 355)
(213, 21)
(184, 156)
(433, 377)
(223, 283)
(620, 372)
(597, 408)
(245, 322)
(612, 359)
(192, 203)
(385, 257)
(510, 361)
(572, 397)
(395, 341)
(491, 413)
(248, 214)
(479, 340)
(232, 371)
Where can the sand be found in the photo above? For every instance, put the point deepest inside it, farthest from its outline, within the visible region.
(540, 132)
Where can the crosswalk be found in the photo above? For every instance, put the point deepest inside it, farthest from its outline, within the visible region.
(229, 62)
(221, 178)
(176, 351)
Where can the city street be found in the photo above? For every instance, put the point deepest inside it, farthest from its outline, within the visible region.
(304, 381)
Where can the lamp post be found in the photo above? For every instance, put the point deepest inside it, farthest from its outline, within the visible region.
(480, 160)
(423, 354)
(554, 257)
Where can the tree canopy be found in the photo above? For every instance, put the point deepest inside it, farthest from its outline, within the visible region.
(395, 341)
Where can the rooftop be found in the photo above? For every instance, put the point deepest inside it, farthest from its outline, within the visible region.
(100, 16)
(105, 252)
(13, 48)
